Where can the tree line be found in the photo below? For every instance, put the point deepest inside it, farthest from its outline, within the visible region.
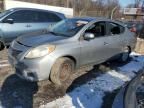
(83, 7)
(89, 7)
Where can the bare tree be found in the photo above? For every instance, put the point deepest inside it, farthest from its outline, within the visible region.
(81, 7)
(137, 3)
(103, 7)
(84, 7)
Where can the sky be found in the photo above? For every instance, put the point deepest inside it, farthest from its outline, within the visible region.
(126, 2)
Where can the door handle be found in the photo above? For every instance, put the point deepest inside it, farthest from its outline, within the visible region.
(28, 25)
(105, 43)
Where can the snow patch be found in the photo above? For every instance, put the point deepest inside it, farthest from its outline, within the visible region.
(4, 61)
(90, 95)
(4, 65)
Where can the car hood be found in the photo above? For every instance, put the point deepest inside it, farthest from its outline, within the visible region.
(35, 39)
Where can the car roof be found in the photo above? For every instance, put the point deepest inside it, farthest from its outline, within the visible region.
(89, 19)
(31, 9)
(59, 14)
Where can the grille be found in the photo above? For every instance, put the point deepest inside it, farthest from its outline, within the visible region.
(15, 52)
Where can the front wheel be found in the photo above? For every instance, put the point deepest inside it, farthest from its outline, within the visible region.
(61, 71)
(125, 55)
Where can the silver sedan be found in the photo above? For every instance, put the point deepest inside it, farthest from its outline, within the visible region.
(54, 54)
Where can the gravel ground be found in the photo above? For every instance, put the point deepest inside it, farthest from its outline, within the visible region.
(15, 92)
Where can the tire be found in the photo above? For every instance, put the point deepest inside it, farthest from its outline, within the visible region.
(1, 46)
(124, 57)
(61, 71)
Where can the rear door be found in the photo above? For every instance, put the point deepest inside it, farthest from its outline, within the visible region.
(47, 19)
(115, 38)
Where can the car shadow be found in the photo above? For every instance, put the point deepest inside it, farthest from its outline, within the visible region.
(16, 92)
(83, 79)
(80, 98)
(95, 72)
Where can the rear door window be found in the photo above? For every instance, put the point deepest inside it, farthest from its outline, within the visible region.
(115, 29)
(48, 17)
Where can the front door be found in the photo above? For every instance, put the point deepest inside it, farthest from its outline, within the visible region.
(95, 50)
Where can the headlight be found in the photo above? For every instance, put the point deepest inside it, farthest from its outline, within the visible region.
(40, 51)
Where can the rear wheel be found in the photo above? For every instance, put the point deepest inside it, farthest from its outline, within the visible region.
(125, 55)
(1, 46)
(61, 71)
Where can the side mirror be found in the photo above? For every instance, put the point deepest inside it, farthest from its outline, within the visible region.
(89, 36)
(10, 21)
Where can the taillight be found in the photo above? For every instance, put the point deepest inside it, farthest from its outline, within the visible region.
(133, 29)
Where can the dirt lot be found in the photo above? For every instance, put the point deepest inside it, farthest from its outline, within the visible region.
(21, 94)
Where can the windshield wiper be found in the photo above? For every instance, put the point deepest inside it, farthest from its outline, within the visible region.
(64, 35)
(58, 34)
(53, 33)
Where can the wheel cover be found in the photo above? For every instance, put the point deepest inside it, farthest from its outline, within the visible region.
(65, 71)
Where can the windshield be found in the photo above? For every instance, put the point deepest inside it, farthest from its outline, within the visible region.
(5, 13)
(68, 27)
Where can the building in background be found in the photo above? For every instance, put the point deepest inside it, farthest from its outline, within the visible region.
(133, 13)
